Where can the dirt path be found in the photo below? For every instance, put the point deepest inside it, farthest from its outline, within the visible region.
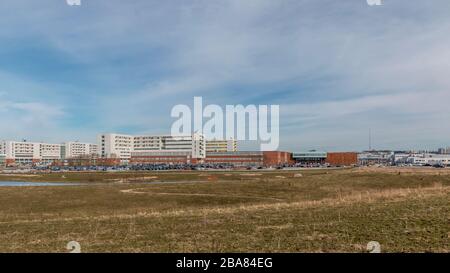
(136, 191)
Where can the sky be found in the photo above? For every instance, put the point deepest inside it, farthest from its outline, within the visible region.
(336, 68)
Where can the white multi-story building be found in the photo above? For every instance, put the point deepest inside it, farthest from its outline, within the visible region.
(115, 146)
(221, 146)
(429, 159)
(198, 146)
(375, 157)
(49, 152)
(77, 149)
(124, 146)
(194, 144)
(20, 152)
(30, 152)
(148, 143)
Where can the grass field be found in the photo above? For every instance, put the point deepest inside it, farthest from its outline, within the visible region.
(406, 210)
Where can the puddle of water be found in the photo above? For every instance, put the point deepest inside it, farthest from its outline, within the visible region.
(33, 184)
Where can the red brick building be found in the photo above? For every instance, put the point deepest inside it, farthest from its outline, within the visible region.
(161, 157)
(276, 158)
(342, 159)
(250, 158)
(236, 158)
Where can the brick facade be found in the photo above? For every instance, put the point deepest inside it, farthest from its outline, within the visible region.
(277, 158)
(342, 159)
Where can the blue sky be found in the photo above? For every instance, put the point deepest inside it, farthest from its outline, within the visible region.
(336, 68)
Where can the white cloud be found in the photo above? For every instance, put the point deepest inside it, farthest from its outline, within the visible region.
(339, 66)
(28, 119)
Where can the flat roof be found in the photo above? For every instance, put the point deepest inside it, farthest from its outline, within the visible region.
(309, 155)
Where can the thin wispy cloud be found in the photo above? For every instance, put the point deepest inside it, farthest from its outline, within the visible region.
(337, 68)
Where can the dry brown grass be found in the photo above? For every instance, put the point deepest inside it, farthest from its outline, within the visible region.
(332, 211)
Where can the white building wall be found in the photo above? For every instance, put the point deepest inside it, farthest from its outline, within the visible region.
(122, 146)
(93, 149)
(115, 146)
(221, 146)
(76, 149)
(147, 142)
(198, 146)
(429, 159)
(28, 152)
(49, 151)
